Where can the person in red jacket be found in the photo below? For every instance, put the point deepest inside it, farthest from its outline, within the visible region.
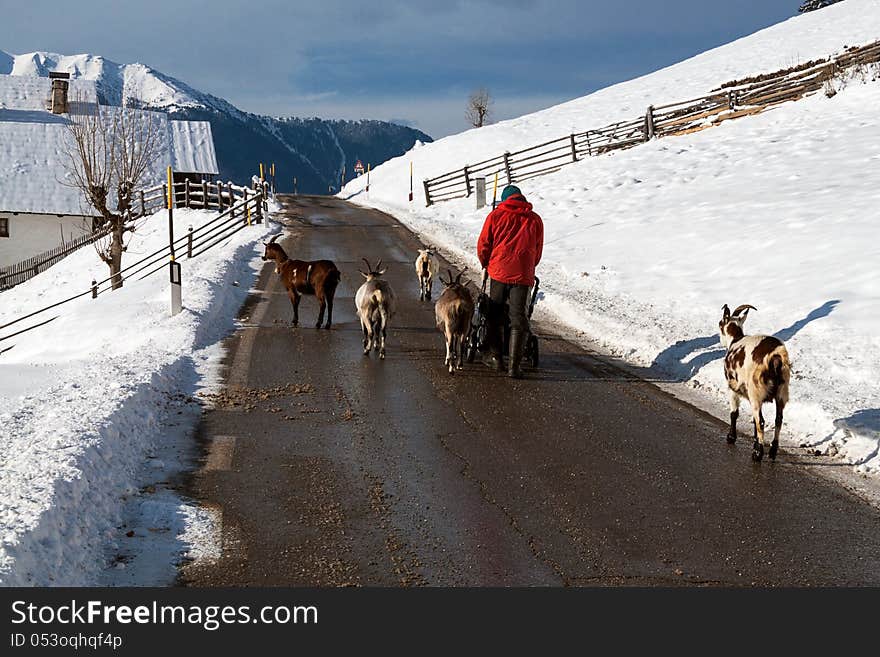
(509, 248)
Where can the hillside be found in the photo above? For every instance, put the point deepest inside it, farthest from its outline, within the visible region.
(643, 247)
(314, 150)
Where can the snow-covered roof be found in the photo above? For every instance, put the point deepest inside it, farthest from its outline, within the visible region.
(192, 147)
(27, 93)
(32, 148)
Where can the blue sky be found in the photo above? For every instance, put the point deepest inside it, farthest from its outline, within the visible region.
(412, 61)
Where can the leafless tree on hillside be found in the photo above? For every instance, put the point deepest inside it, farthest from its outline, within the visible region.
(109, 153)
(479, 108)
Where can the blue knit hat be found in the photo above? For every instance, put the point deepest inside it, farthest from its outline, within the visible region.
(510, 190)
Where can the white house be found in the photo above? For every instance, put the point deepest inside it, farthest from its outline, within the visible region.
(38, 211)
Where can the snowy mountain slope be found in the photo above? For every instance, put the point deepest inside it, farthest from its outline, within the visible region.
(643, 247)
(814, 35)
(306, 148)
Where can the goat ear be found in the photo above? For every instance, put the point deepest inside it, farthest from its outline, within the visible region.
(381, 272)
(725, 313)
(363, 274)
(379, 265)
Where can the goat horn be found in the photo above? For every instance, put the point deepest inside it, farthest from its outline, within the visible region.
(367, 262)
(739, 309)
(379, 264)
(272, 241)
(460, 274)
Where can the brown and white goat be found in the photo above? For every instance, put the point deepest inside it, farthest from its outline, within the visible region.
(376, 304)
(757, 368)
(453, 311)
(317, 277)
(427, 267)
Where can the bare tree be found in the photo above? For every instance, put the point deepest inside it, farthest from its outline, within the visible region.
(110, 151)
(479, 108)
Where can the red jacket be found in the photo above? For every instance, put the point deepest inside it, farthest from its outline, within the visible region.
(511, 242)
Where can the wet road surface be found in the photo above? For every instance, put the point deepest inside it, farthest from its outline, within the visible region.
(332, 469)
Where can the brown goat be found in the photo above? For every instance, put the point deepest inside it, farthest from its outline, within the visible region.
(317, 277)
(453, 312)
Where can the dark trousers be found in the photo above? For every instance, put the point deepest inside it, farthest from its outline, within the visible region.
(516, 297)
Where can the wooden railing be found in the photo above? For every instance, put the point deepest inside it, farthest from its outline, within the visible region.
(245, 212)
(214, 196)
(730, 101)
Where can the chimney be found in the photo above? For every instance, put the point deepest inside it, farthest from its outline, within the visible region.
(58, 100)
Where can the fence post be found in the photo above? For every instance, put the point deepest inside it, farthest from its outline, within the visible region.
(467, 181)
(480, 184)
(246, 211)
(574, 152)
(186, 192)
(649, 123)
(219, 197)
(143, 205)
(259, 218)
(189, 243)
(204, 194)
(94, 289)
(507, 167)
(731, 99)
(427, 193)
(589, 145)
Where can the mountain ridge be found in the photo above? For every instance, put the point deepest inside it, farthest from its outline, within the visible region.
(313, 150)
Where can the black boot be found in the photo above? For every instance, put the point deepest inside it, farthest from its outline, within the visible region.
(516, 351)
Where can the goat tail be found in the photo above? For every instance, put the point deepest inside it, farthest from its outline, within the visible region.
(333, 277)
(779, 371)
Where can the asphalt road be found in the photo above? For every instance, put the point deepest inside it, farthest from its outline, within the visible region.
(332, 469)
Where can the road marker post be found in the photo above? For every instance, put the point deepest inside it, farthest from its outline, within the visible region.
(368, 178)
(173, 266)
(410, 182)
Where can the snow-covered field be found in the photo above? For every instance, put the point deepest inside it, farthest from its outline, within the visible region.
(96, 408)
(643, 247)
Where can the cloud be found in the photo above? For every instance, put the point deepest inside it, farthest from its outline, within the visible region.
(401, 58)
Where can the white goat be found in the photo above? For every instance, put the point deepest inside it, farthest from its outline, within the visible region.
(453, 311)
(375, 303)
(427, 267)
(757, 368)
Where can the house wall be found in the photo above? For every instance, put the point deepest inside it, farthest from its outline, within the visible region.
(30, 234)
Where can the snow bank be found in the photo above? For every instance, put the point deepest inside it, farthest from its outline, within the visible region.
(91, 402)
(644, 246)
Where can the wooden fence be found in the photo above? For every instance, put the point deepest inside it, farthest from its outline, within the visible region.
(214, 196)
(730, 101)
(245, 212)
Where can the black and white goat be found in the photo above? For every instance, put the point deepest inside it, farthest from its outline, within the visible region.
(427, 267)
(453, 312)
(376, 304)
(757, 368)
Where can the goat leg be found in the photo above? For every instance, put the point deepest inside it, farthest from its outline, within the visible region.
(329, 312)
(296, 299)
(758, 417)
(321, 308)
(774, 446)
(734, 415)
